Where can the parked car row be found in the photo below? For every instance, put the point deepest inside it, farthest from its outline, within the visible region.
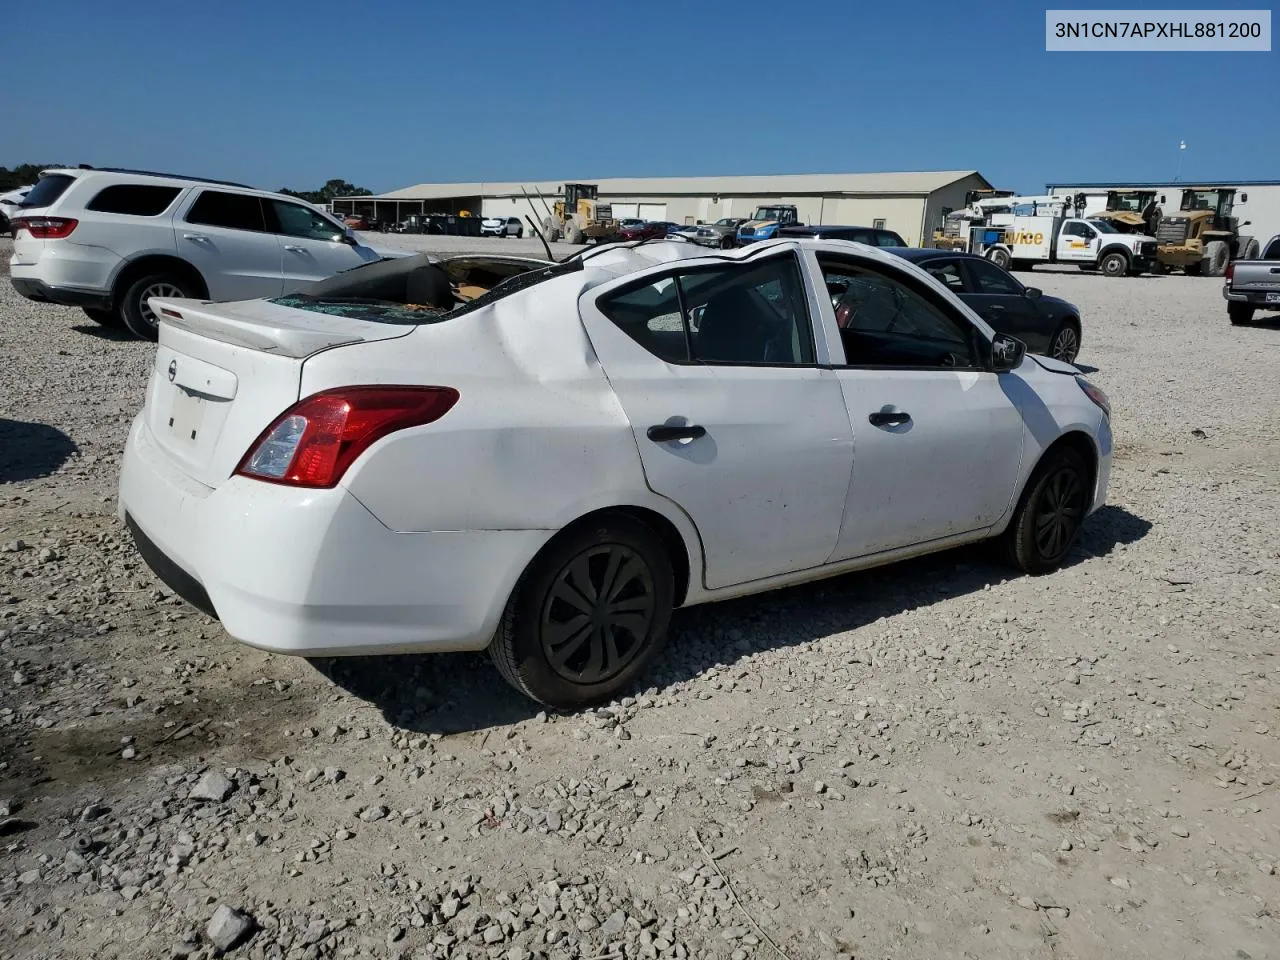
(545, 459)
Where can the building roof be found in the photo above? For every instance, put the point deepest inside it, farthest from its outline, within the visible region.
(855, 184)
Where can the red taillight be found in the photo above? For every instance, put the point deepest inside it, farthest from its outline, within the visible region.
(1231, 271)
(314, 442)
(45, 228)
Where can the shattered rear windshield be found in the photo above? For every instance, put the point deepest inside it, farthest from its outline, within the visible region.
(384, 293)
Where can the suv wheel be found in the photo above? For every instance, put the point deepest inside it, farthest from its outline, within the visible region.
(108, 318)
(137, 315)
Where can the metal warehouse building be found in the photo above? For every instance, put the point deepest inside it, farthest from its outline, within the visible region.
(913, 204)
(1257, 201)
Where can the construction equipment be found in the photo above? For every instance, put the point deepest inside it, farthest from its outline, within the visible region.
(1132, 211)
(579, 217)
(996, 208)
(1204, 235)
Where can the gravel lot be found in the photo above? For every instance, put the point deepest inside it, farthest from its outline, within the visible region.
(929, 760)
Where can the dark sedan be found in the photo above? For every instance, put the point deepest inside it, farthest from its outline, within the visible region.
(1047, 325)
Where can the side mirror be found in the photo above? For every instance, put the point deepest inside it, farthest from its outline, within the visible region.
(1034, 293)
(1162, 198)
(1243, 198)
(1006, 352)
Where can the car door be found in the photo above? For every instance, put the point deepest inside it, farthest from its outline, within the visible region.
(735, 419)
(937, 443)
(1077, 241)
(1001, 300)
(312, 247)
(224, 235)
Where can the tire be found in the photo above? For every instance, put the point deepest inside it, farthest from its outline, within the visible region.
(1156, 269)
(573, 234)
(1000, 258)
(726, 243)
(520, 233)
(1065, 344)
(107, 318)
(1240, 314)
(1250, 251)
(1049, 513)
(1114, 264)
(136, 315)
(576, 563)
(1216, 257)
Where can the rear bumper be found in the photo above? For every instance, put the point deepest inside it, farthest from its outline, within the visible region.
(41, 292)
(1255, 298)
(312, 572)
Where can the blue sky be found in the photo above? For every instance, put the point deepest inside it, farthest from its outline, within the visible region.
(387, 94)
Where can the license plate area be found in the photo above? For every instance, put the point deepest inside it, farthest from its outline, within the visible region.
(186, 417)
(1272, 298)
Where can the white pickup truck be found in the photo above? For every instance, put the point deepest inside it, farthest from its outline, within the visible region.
(1020, 242)
(1253, 284)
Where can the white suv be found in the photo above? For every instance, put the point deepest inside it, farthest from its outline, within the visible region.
(107, 240)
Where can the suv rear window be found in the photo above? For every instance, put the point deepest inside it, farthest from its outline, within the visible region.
(135, 199)
(48, 189)
(235, 211)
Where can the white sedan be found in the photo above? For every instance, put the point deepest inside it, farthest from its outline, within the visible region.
(546, 459)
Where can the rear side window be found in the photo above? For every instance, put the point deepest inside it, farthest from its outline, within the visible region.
(887, 238)
(235, 211)
(134, 199)
(48, 189)
(754, 313)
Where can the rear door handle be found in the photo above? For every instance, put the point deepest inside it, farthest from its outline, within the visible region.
(198, 237)
(294, 249)
(994, 306)
(886, 418)
(662, 433)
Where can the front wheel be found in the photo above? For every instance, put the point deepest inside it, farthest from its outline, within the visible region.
(136, 312)
(588, 615)
(1114, 265)
(1050, 513)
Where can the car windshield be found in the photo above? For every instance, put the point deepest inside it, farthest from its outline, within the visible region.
(1102, 226)
(768, 213)
(727, 222)
(1200, 200)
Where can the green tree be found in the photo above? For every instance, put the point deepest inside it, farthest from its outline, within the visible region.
(330, 191)
(21, 175)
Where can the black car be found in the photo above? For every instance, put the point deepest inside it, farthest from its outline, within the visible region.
(1047, 325)
(871, 236)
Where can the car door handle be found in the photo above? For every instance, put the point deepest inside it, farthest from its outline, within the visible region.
(994, 306)
(663, 433)
(198, 237)
(889, 418)
(294, 249)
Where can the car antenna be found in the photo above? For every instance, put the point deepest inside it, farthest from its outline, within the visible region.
(546, 246)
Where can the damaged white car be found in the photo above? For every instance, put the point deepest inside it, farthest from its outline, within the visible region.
(546, 459)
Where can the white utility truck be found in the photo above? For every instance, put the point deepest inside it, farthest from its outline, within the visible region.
(1018, 232)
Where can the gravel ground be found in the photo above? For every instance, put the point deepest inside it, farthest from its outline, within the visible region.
(933, 759)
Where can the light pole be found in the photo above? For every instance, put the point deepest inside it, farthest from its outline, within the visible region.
(1182, 148)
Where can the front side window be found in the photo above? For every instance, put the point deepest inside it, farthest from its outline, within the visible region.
(988, 278)
(234, 211)
(295, 220)
(886, 322)
(946, 272)
(139, 200)
(745, 313)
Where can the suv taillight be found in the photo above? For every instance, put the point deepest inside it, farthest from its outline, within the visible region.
(314, 442)
(1231, 271)
(45, 228)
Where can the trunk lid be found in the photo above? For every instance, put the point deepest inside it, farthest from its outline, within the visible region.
(224, 371)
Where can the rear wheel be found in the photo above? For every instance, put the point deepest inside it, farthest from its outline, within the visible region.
(726, 243)
(1250, 251)
(137, 314)
(1050, 512)
(108, 318)
(1114, 265)
(1240, 314)
(1066, 342)
(588, 615)
(1000, 258)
